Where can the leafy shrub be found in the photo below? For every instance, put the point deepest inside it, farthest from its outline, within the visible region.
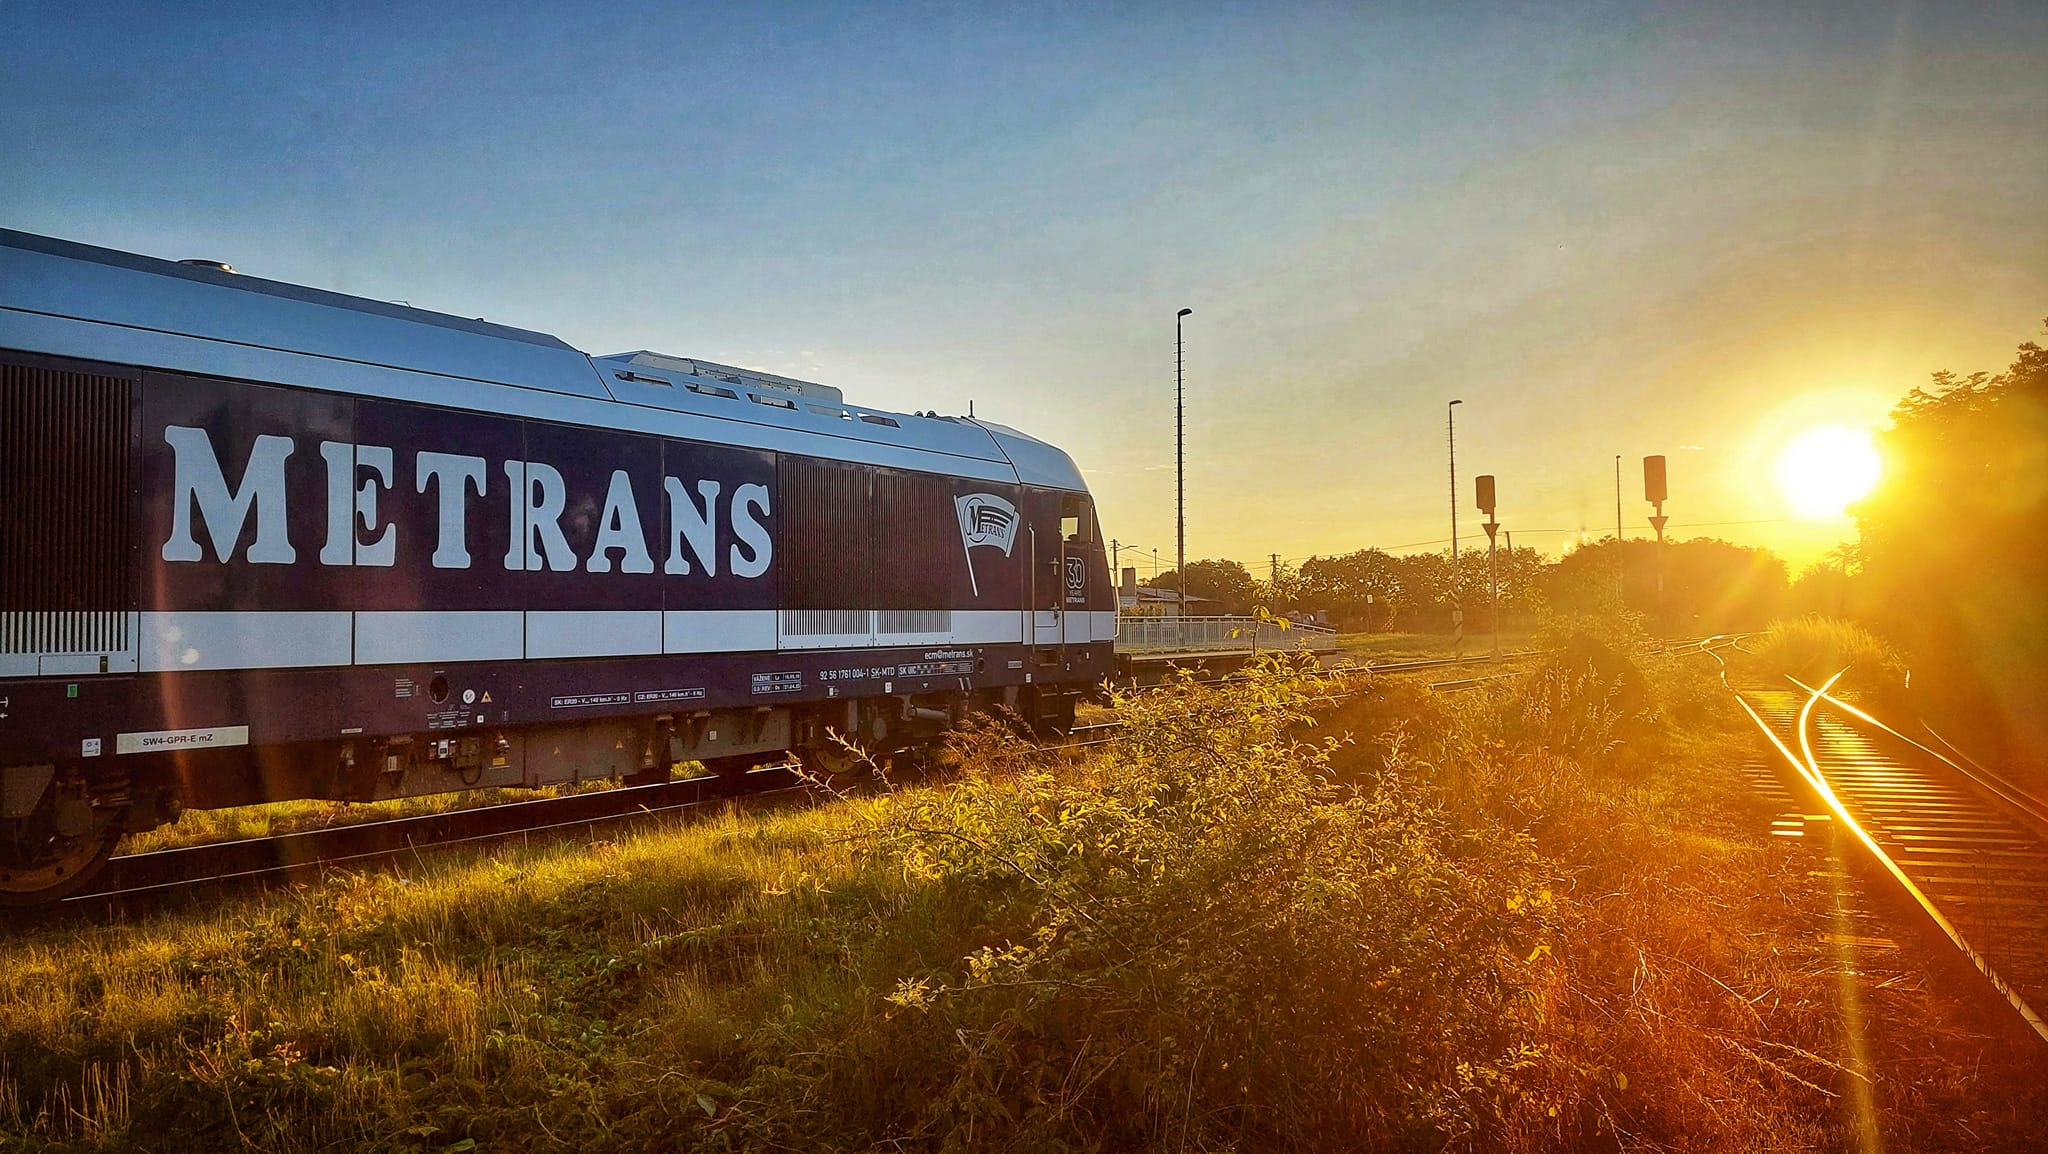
(1201, 939)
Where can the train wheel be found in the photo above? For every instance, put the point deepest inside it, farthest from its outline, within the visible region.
(38, 863)
(831, 762)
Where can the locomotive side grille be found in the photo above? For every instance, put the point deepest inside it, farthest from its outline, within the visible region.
(825, 536)
(914, 621)
(925, 555)
(824, 622)
(65, 476)
(95, 632)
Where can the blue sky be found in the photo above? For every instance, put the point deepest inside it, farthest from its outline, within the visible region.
(1609, 229)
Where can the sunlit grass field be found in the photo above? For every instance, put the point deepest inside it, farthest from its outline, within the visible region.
(1426, 646)
(1534, 917)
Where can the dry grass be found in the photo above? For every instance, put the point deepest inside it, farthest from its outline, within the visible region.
(359, 1011)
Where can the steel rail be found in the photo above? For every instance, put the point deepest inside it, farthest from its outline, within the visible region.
(591, 824)
(2001, 789)
(160, 873)
(1442, 662)
(1808, 767)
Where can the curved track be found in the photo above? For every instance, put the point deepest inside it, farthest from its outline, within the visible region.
(1961, 843)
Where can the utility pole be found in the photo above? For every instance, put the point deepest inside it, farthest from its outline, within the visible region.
(1457, 610)
(1274, 560)
(1180, 472)
(1451, 432)
(1114, 545)
(1620, 559)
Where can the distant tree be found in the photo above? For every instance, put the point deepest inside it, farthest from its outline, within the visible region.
(1952, 558)
(1228, 583)
(1516, 571)
(1832, 586)
(1280, 590)
(1373, 590)
(1358, 590)
(1425, 592)
(1825, 588)
(1710, 586)
(1583, 583)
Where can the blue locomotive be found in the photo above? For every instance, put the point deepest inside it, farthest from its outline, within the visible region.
(260, 541)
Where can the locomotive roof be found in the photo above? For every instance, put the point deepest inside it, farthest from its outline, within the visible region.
(68, 299)
(215, 274)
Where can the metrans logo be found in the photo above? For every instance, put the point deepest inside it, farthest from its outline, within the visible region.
(985, 519)
(531, 496)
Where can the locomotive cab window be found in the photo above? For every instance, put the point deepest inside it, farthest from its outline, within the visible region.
(1077, 521)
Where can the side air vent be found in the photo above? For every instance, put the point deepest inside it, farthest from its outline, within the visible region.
(914, 621)
(65, 533)
(824, 622)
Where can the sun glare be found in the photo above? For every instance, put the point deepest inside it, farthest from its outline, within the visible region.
(1822, 470)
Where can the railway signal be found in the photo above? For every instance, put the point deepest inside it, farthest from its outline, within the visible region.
(1484, 486)
(1654, 490)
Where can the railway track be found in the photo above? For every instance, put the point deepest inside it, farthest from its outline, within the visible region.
(1964, 847)
(143, 879)
(146, 878)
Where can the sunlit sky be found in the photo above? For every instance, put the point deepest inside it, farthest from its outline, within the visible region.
(1623, 230)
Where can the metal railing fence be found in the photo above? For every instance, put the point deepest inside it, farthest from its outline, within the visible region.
(1218, 635)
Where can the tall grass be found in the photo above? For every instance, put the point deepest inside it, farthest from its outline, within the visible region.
(1815, 648)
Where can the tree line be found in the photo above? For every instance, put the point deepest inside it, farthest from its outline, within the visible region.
(1708, 586)
(1949, 562)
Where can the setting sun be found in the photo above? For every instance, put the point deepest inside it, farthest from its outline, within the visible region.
(1822, 470)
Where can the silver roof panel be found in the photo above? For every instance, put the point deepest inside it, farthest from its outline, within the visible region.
(69, 299)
